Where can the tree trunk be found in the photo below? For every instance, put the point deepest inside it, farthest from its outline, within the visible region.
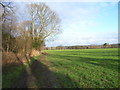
(7, 47)
(33, 29)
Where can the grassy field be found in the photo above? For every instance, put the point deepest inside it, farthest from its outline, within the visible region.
(9, 78)
(85, 68)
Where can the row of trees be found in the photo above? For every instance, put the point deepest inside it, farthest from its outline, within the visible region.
(22, 37)
(105, 45)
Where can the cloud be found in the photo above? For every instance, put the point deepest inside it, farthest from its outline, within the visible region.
(73, 38)
(85, 23)
(81, 23)
(75, 16)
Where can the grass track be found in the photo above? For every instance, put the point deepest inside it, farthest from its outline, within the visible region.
(85, 68)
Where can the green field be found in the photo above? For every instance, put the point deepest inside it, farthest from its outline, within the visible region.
(85, 68)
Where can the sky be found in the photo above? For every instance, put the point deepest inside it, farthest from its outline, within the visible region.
(86, 23)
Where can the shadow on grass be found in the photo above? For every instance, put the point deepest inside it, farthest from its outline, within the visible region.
(106, 63)
(14, 76)
(95, 53)
(46, 78)
(21, 81)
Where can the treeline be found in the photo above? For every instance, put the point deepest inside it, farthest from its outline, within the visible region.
(21, 37)
(84, 47)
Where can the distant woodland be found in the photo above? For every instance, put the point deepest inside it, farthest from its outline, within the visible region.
(105, 45)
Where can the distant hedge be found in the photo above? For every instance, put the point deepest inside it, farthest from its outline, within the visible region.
(84, 47)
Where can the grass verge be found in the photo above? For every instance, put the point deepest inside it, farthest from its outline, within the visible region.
(13, 73)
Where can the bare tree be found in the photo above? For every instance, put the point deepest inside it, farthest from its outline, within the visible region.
(7, 9)
(46, 22)
(24, 40)
(32, 13)
(9, 26)
(7, 23)
(22, 37)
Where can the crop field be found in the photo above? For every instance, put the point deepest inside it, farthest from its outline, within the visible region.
(85, 68)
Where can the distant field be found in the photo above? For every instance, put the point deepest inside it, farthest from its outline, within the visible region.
(85, 68)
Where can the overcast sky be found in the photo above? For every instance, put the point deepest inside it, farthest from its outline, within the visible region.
(85, 23)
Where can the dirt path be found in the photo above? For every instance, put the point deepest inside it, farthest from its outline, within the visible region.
(30, 79)
(37, 75)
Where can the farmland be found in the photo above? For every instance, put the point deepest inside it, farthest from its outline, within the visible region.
(85, 68)
(80, 68)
